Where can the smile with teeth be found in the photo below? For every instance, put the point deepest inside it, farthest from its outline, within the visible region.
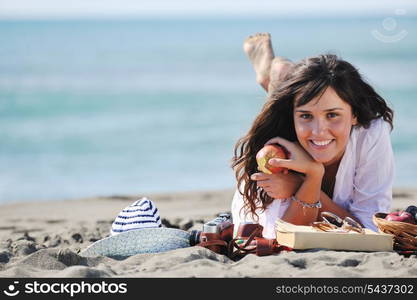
(321, 143)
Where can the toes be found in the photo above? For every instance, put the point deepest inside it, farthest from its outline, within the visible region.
(264, 34)
(249, 38)
(259, 35)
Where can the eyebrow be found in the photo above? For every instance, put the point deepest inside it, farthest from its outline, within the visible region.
(330, 109)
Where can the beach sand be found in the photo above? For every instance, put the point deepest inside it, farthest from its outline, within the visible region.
(42, 239)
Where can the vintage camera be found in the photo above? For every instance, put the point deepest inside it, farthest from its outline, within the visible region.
(216, 234)
(219, 224)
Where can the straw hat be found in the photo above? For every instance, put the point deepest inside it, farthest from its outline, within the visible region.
(145, 240)
(138, 229)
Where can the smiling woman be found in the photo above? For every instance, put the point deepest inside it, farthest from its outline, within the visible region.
(323, 126)
(337, 131)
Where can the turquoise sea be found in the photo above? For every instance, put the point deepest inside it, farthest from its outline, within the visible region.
(139, 106)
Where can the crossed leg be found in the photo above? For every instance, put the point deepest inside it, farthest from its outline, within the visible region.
(270, 70)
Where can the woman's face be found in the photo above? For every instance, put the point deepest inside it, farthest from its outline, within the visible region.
(323, 126)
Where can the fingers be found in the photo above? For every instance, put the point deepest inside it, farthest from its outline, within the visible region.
(265, 185)
(260, 176)
(262, 180)
(272, 194)
(278, 162)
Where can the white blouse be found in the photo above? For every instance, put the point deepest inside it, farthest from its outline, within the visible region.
(363, 181)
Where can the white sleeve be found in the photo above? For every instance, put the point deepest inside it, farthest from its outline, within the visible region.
(374, 175)
(238, 212)
(266, 218)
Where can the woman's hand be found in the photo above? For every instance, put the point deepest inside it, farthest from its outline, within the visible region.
(299, 159)
(279, 185)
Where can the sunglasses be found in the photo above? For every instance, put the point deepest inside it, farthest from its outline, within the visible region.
(333, 223)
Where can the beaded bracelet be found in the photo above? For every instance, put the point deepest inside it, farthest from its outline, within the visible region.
(307, 205)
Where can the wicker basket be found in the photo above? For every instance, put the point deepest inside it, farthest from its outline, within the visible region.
(405, 234)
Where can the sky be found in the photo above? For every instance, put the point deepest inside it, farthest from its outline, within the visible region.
(67, 9)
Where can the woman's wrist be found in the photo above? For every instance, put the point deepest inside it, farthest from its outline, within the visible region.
(315, 171)
(309, 191)
(304, 204)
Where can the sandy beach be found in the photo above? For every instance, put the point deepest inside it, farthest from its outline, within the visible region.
(42, 239)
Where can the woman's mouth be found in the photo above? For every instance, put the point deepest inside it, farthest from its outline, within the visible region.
(320, 145)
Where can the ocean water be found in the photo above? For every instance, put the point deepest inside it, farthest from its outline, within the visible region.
(101, 107)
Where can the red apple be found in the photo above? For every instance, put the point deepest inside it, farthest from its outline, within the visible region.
(401, 216)
(265, 154)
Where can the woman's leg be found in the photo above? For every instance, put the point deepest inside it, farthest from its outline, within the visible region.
(270, 70)
(279, 69)
(258, 48)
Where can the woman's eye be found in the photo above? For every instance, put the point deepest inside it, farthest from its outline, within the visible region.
(305, 116)
(332, 115)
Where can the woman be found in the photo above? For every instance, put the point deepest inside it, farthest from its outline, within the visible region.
(337, 130)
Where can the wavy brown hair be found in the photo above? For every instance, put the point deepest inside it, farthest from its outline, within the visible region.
(305, 81)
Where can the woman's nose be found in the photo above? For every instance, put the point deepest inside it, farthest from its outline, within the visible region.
(319, 127)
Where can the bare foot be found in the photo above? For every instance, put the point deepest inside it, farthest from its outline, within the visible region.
(280, 67)
(259, 50)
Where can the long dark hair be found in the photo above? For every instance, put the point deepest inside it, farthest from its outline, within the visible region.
(307, 79)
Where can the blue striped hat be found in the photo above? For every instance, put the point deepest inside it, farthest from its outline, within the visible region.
(140, 214)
